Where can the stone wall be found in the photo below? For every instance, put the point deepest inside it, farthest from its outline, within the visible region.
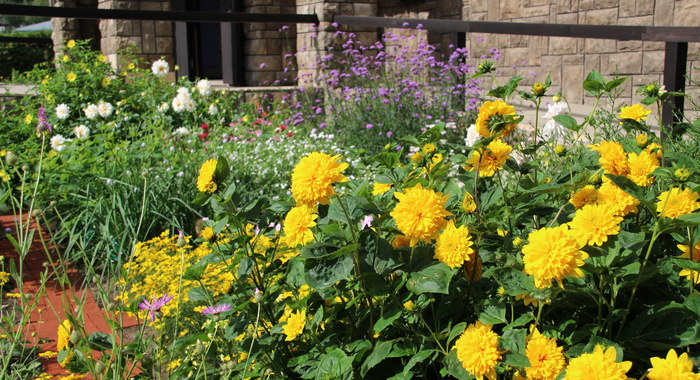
(568, 60)
(66, 29)
(152, 39)
(268, 44)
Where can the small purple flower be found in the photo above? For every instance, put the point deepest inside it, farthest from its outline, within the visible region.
(335, 24)
(215, 310)
(419, 26)
(367, 221)
(43, 125)
(322, 125)
(398, 147)
(154, 306)
(370, 126)
(262, 65)
(8, 229)
(388, 134)
(405, 24)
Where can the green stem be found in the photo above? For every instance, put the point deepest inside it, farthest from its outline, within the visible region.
(247, 359)
(442, 349)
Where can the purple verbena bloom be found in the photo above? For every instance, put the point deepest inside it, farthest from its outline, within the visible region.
(367, 221)
(43, 125)
(262, 65)
(154, 306)
(218, 309)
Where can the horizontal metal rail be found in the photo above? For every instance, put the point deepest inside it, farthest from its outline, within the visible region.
(123, 14)
(27, 40)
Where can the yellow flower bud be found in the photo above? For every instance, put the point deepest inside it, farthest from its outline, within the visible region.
(538, 89)
(682, 174)
(417, 157)
(642, 141)
(428, 149)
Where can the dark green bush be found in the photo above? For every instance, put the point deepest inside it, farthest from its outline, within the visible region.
(21, 57)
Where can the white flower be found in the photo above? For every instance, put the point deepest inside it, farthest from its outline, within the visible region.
(62, 111)
(213, 110)
(552, 128)
(518, 157)
(178, 104)
(204, 87)
(81, 132)
(105, 109)
(58, 143)
(180, 174)
(183, 91)
(472, 136)
(662, 90)
(160, 68)
(91, 111)
(189, 105)
(182, 131)
(164, 107)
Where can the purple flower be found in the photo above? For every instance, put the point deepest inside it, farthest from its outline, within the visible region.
(370, 126)
(218, 309)
(367, 221)
(419, 26)
(405, 24)
(335, 24)
(8, 229)
(388, 134)
(262, 65)
(155, 306)
(322, 125)
(43, 125)
(398, 147)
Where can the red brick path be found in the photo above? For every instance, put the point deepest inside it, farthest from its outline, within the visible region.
(45, 325)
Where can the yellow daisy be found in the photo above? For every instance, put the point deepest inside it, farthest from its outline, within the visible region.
(672, 368)
(453, 246)
(598, 365)
(494, 156)
(552, 254)
(297, 226)
(489, 113)
(676, 202)
(205, 181)
(420, 214)
(477, 349)
(594, 223)
(313, 178)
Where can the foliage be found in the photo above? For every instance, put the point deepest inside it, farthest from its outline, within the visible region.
(16, 58)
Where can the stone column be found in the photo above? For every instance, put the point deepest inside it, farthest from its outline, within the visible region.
(151, 40)
(66, 29)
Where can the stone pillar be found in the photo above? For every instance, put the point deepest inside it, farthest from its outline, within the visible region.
(151, 40)
(66, 29)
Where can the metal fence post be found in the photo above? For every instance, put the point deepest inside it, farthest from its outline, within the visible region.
(675, 61)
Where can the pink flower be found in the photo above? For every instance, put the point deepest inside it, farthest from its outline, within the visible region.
(154, 306)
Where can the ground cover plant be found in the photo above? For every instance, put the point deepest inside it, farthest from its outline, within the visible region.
(567, 253)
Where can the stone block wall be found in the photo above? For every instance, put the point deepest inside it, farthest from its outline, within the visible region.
(568, 60)
(66, 29)
(152, 40)
(269, 44)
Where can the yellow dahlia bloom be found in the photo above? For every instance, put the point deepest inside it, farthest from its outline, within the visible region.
(552, 254)
(70, 77)
(695, 276)
(313, 178)
(641, 166)
(674, 203)
(297, 226)
(600, 365)
(613, 159)
(477, 349)
(594, 223)
(208, 233)
(428, 149)
(612, 196)
(654, 147)
(295, 325)
(495, 155)
(381, 188)
(400, 241)
(63, 340)
(586, 196)
(205, 181)
(420, 214)
(636, 112)
(453, 246)
(489, 109)
(546, 359)
(468, 203)
(70, 44)
(672, 368)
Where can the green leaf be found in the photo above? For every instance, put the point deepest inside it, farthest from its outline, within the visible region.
(457, 330)
(198, 294)
(417, 358)
(693, 302)
(245, 266)
(594, 83)
(100, 341)
(649, 100)
(521, 321)
(454, 366)
(514, 282)
(335, 365)
(390, 160)
(433, 279)
(194, 273)
(380, 352)
(281, 207)
(567, 121)
(664, 326)
(222, 169)
(615, 83)
(201, 199)
(376, 284)
(514, 340)
(321, 274)
(220, 225)
(516, 359)
(494, 314)
(387, 319)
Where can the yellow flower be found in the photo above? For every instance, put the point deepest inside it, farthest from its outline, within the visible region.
(70, 44)
(381, 188)
(641, 166)
(501, 232)
(420, 214)
(518, 242)
(28, 119)
(468, 203)
(560, 150)
(297, 226)
(13, 295)
(205, 181)
(598, 365)
(63, 335)
(102, 58)
(417, 157)
(409, 305)
(538, 89)
(695, 257)
(453, 246)
(672, 368)
(546, 359)
(485, 120)
(527, 299)
(594, 223)
(131, 66)
(174, 364)
(4, 277)
(70, 77)
(682, 174)
(4, 176)
(674, 203)
(586, 196)
(208, 233)
(68, 358)
(48, 354)
(428, 149)
(106, 82)
(612, 196)
(636, 112)
(494, 156)
(613, 159)
(477, 349)
(66, 58)
(552, 254)
(3, 153)
(313, 178)
(295, 325)
(400, 241)
(654, 147)
(642, 140)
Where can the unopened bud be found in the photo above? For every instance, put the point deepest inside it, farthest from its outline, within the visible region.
(682, 174)
(36, 212)
(25, 167)
(110, 306)
(268, 372)
(642, 141)
(199, 348)
(258, 297)
(181, 239)
(75, 336)
(557, 98)
(52, 204)
(100, 367)
(11, 159)
(560, 150)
